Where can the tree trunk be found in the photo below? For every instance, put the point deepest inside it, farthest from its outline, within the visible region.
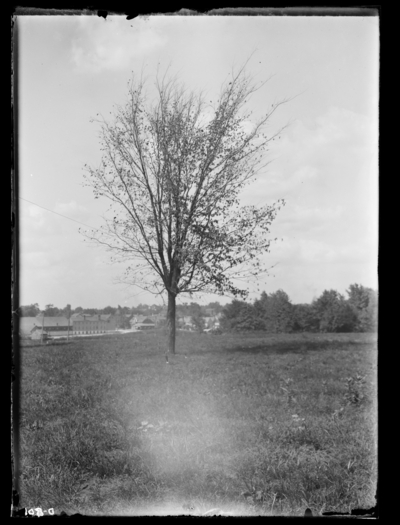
(171, 322)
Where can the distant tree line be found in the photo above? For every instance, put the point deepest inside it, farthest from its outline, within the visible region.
(50, 310)
(330, 312)
(194, 310)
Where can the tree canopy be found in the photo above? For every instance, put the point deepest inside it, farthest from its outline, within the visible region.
(330, 312)
(31, 310)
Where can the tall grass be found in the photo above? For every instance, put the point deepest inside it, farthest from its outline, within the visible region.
(248, 424)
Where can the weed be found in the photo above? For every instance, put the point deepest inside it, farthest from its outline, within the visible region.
(354, 388)
(288, 390)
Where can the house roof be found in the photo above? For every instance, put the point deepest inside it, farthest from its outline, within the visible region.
(77, 317)
(137, 318)
(142, 319)
(26, 324)
(158, 317)
(52, 321)
(94, 317)
(35, 329)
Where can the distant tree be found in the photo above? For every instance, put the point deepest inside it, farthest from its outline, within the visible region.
(197, 315)
(135, 310)
(124, 323)
(275, 311)
(91, 311)
(369, 316)
(364, 302)
(67, 311)
(231, 313)
(358, 296)
(126, 310)
(109, 310)
(185, 309)
(31, 310)
(195, 310)
(198, 322)
(304, 318)
(334, 313)
(121, 319)
(78, 310)
(174, 177)
(52, 311)
(143, 307)
(240, 316)
(216, 306)
(155, 308)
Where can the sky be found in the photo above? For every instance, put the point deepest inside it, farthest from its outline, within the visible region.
(325, 165)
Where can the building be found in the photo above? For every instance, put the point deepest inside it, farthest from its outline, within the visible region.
(212, 321)
(92, 324)
(141, 322)
(185, 322)
(52, 326)
(26, 325)
(36, 334)
(159, 318)
(136, 320)
(79, 324)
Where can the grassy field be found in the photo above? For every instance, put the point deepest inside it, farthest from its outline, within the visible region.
(251, 424)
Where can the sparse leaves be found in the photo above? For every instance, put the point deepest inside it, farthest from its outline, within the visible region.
(174, 178)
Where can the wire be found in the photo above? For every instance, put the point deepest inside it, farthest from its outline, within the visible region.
(65, 217)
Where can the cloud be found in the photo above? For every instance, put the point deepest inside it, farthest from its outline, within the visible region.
(36, 215)
(326, 170)
(337, 144)
(111, 44)
(305, 218)
(48, 242)
(72, 210)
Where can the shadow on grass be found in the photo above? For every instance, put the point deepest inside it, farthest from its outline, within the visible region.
(45, 345)
(294, 348)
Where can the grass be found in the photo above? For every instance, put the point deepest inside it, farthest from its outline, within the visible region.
(252, 424)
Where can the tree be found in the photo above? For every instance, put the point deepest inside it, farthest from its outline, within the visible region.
(66, 311)
(304, 318)
(240, 316)
(196, 314)
(91, 311)
(368, 317)
(364, 302)
(109, 310)
(275, 311)
(173, 169)
(216, 306)
(52, 311)
(30, 311)
(198, 322)
(333, 312)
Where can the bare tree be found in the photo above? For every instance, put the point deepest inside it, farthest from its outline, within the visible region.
(174, 168)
